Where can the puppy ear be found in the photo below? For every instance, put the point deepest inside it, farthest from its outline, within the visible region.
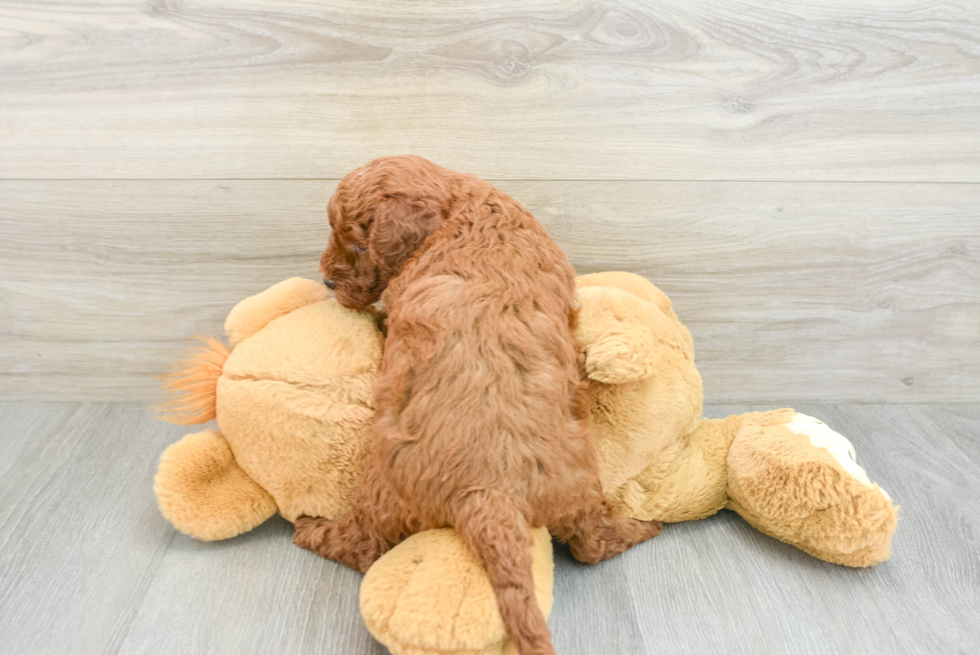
(401, 225)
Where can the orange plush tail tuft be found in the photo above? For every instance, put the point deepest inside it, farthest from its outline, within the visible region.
(193, 385)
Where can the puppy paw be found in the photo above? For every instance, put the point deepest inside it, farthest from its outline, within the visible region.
(651, 529)
(312, 533)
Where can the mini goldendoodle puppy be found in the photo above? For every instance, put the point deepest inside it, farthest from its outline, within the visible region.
(482, 408)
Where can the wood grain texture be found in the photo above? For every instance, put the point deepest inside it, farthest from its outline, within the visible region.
(78, 534)
(25, 422)
(959, 423)
(254, 594)
(88, 565)
(786, 90)
(821, 291)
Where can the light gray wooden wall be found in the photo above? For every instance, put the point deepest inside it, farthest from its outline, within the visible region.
(802, 178)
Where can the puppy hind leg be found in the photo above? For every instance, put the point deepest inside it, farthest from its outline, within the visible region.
(349, 542)
(377, 523)
(595, 533)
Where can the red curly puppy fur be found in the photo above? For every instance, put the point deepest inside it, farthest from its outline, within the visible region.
(482, 409)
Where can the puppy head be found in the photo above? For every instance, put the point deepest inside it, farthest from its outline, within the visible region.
(380, 215)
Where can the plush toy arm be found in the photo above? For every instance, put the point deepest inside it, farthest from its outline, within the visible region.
(201, 489)
(255, 312)
(795, 479)
(430, 596)
(623, 336)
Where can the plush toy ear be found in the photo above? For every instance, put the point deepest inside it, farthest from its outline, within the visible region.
(255, 312)
(623, 336)
(402, 222)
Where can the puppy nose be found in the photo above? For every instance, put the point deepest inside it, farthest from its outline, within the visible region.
(330, 283)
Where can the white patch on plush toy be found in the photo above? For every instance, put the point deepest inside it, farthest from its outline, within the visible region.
(835, 443)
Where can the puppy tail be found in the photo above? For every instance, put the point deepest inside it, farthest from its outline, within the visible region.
(501, 539)
(193, 385)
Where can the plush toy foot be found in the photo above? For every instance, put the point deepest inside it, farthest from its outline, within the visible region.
(204, 493)
(795, 479)
(429, 595)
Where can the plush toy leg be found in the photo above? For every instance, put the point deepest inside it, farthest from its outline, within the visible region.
(204, 493)
(688, 483)
(795, 479)
(430, 596)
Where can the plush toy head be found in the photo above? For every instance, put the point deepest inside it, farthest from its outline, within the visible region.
(293, 407)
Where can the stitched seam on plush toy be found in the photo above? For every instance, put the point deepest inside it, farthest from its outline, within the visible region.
(304, 385)
(675, 346)
(401, 592)
(326, 388)
(459, 609)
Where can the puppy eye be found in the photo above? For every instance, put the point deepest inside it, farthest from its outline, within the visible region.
(359, 248)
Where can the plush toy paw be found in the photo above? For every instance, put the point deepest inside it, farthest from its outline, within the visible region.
(626, 325)
(795, 479)
(430, 595)
(622, 336)
(201, 489)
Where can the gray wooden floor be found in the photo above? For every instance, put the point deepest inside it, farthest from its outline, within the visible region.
(88, 565)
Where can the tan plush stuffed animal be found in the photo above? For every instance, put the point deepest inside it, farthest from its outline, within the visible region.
(293, 405)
